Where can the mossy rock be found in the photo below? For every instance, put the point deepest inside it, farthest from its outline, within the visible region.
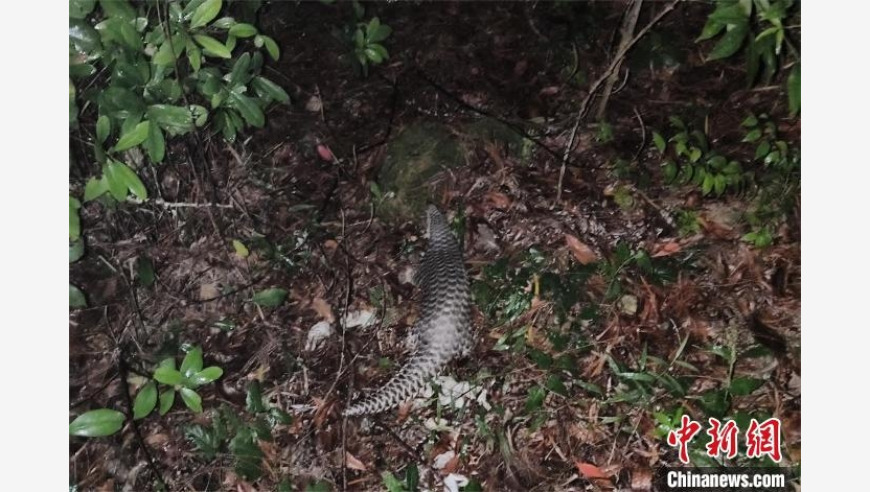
(416, 156)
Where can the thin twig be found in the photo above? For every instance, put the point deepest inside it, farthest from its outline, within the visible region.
(629, 22)
(617, 59)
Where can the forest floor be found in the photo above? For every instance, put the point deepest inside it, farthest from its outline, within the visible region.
(604, 310)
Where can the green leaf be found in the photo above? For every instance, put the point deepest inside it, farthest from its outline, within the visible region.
(535, 398)
(270, 297)
(84, 38)
(241, 249)
(212, 46)
(76, 250)
(391, 482)
(207, 375)
(176, 120)
(762, 150)
(266, 87)
(191, 399)
(79, 9)
(95, 188)
(104, 127)
(378, 34)
(730, 42)
(753, 135)
(199, 114)
(719, 183)
(373, 55)
(379, 50)
(97, 423)
(194, 57)
(130, 180)
(249, 110)
(246, 453)
(204, 14)
(167, 399)
(243, 30)
(76, 297)
(224, 23)
(715, 403)
(659, 142)
(118, 8)
(711, 29)
(707, 185)
(555, 384)
(239, 73)
(145, 271)
(145, 401)
(192, 362)
(694, 154)
(271, 47)
(155, 144)
(168, 375)
(254, 398)
(744, 386)
(75, 228)
(794, 89)
(164, 56)
(134, 137)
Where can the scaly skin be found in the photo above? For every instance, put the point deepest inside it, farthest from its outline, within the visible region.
(443, 330)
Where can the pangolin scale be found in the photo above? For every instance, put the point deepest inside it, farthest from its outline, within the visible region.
(443, 330)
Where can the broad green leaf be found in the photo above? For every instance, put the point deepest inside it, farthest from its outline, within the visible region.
(130, 180)
(97, 423)
(145, 401)
(248, 108)
(191, 399)
(117, 186)
(241, 249)
(707, 185)
(254, 398)
(380, 50)
(206, 376)
(266, 87)
(224, 23)
(212, 46)
(719, 184)
(155, 144)
(76, 297)
(762, 150)
(168, 376)
(75, 228)
(205, 13)
(744, 386)
(194, 57)
(753, 135)
(373, 55)
(164, 56)
(118, 8)
(794, 89)
(669, 171)
(84, 38)
(555, 384)
(76, 250)
(751, 121)
(79, 9)
(535, 398)
(271, 47)
(659, 142)
(247, 454)
(694, 154)
(240, 70)
(730, 13)
(167, 398)
(176, 120)
(270, 297)
(379, 34)
(730, 42)
(95, 188)
(199, 114)
(392, 483)
(104, 128)
(711, 29)
(715, 403)
(192, 362)
(134, 137)
(243, 30)
(231, 42)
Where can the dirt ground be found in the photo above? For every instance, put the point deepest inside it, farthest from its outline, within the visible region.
(598, 311)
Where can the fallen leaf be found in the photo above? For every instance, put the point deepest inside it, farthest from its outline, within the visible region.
(588, 470)
(314, 104)
(641, 479)
(322, 308)
(325, 153)
(208, 291)
(549, 90)
(666, 249)
(498, 199)
(582, 252)
(353, 463)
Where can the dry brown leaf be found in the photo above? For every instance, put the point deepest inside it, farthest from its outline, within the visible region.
(323, 309)
(353, 463)
(641, 479)
(208, 291)
(588, 470)
(581, 251)
(666, 249)
(451, 465)
(498, 200)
